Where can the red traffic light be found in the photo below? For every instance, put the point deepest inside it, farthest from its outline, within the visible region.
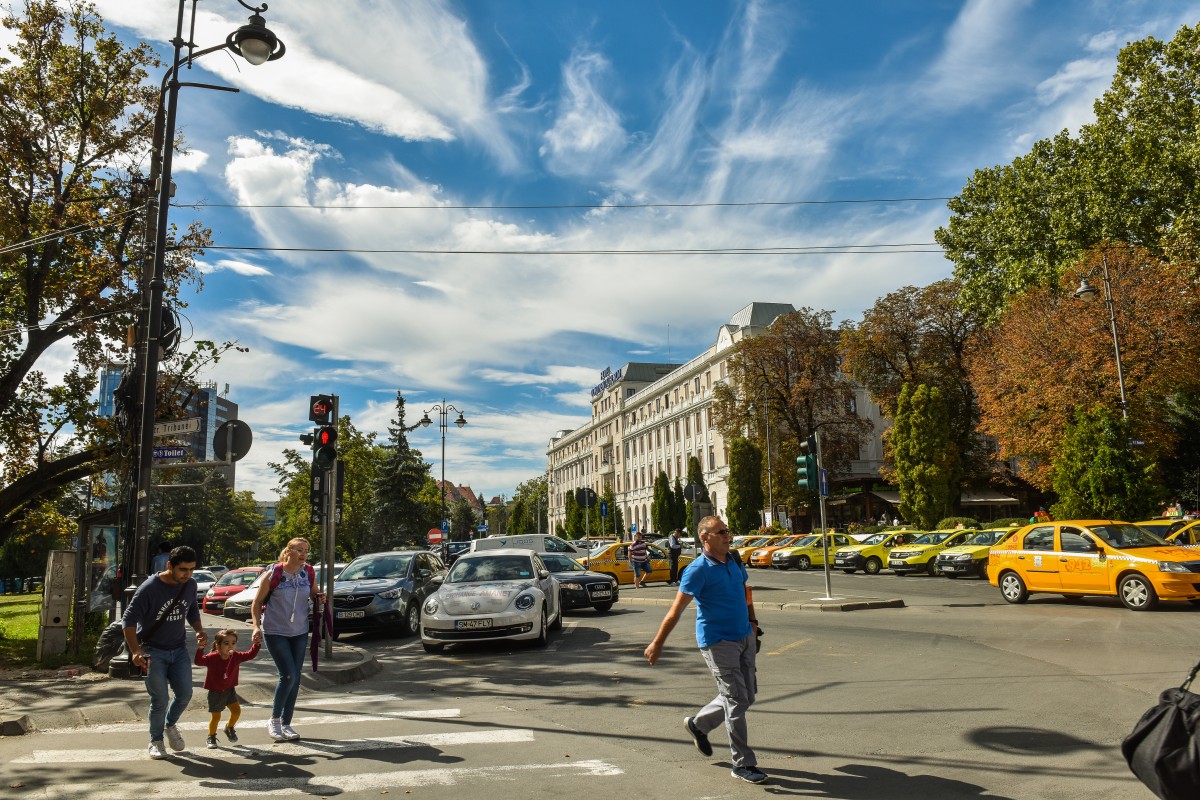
(326, 437)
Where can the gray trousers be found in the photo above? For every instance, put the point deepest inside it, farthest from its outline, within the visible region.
(732, 665)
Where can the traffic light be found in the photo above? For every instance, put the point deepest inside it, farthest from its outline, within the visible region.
(324, 447)
(807, 475)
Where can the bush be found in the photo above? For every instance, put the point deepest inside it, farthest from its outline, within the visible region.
(1008, 522)
(865, 530)
(954, 522)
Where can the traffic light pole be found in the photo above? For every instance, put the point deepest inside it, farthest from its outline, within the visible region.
(330, 531)
(824, 531)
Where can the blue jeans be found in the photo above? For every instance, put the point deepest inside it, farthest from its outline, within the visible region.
(288, 655)
(173, 668)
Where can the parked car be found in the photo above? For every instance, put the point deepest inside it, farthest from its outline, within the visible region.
(613, 560)
(1187, 536)
(454, 550)
(970, 557)
(537, 542)
(384, 591)
(229, 584)
(204, 581)
(920, 555)
(809, 551)
(871, 554)
(1094, 557)
(761, 556)
(216, 569)
(237, 606)
(580, 587)
(492, 595)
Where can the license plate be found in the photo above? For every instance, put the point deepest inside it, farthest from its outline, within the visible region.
(472, 624)
(350, 614)
(602, 593)
(894, 564)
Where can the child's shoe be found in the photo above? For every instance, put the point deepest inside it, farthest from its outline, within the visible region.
(231, 735)
(212, 742)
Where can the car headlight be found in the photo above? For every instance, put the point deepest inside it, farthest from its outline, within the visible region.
(901, 555)
(524, 602)
(431, 605)
(576, 586)
(390, 594)
(211, 593)
(960, 557)
(1171, 566)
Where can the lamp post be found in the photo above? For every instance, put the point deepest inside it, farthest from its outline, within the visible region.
(770, 480)
(257, 44)
(443, 412)
(1088, 293)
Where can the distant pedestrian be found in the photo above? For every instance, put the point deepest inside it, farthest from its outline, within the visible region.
(159, 562)
(726, 631)
(221, 680)
(280, 615)
(674, 550)
(153, 627)
(895, 522)
(639, 560)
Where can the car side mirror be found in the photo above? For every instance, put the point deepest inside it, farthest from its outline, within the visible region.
(438, 578)
(424, 574)
(543, 573)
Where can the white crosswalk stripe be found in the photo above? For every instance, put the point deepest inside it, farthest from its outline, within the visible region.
(333, 719)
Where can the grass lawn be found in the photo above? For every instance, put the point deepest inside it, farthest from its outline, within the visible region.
(19, 630)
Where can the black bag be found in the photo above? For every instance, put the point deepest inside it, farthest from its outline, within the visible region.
(109, 645)
(1163, 749)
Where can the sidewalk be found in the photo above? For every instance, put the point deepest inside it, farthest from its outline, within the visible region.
(92, 698)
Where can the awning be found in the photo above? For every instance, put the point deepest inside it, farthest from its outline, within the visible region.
(986, 497)
(888, 497)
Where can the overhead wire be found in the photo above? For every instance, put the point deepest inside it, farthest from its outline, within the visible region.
(565, 206)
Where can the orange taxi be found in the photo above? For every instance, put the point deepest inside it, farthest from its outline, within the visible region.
(761, 556)
(750, 546)
(1187, 536)
(1094, 557)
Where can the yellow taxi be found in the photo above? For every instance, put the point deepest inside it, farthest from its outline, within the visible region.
(744, 550)
(871, 554)
(1162, 527)
(970, 557)
(921, 555)
(1187, 536)
(808, 551)
(613, 560)
(1094, 557)
(761, 556)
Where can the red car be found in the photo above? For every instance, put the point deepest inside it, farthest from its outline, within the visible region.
(229, 584)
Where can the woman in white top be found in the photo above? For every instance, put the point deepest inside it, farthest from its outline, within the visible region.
(283, 623)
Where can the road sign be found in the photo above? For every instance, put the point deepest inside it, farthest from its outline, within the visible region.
(445, 526)
(434, 536)
(824, 483)
(633, 528)
(585, 498)
(170, 452)
(603, 508)
(233, 439)
(174, 426)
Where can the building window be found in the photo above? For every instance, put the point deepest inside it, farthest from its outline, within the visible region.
(696, 385)
(712, 458)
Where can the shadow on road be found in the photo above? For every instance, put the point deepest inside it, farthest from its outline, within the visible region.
(866, 782)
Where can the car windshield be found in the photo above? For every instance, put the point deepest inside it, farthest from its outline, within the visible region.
(491, 568)
(237, 578)
(876, 538)
(388, 566)
(200, 576)
(1125, 536)
(559, 563)
(986, 537)
(806, 541)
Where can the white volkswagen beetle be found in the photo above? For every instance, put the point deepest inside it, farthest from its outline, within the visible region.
(489, 595)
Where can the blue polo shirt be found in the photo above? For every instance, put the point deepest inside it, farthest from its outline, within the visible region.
(720, 594)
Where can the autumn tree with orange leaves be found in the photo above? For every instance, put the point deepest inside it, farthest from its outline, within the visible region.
(1051, 355)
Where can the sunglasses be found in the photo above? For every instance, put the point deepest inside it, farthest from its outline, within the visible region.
(722, 532)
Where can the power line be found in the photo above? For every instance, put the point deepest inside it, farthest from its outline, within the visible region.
(568, 206)
(849, 249)
(76, 229)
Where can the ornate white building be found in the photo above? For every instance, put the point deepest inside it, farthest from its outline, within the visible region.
(651, 418)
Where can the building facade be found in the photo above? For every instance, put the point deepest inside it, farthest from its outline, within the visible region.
(651, 418)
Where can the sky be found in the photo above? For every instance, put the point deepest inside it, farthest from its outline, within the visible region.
(456, 200)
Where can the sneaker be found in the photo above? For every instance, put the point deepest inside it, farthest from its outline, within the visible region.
(156, 749)
(701, 739)
(749, 774)
(289, 733)
(275, 729)
(231, 735)
(212, 742)
(175, 738)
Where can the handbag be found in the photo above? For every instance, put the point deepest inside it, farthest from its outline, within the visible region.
(1163, 749)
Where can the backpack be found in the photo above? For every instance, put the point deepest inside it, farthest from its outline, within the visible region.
(110, 644)
(277, 576)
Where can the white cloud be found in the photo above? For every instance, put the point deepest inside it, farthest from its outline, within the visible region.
(587, 130)
(191, 161)
(233, 265)
(975, 63)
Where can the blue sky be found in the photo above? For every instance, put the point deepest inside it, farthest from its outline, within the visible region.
(466, 108)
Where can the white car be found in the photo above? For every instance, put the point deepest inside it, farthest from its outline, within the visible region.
(505, 593)
(204, 581)
(237, 606)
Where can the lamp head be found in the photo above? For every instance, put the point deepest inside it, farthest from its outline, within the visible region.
(425, 421)
(254, 41)
(1086, 291)
(460, 421)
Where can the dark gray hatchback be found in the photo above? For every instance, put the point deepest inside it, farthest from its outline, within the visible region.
(384, 592)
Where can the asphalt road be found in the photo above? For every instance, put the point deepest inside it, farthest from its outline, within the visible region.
(958, 695)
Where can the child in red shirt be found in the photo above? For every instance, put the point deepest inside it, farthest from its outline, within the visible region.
(221, 681)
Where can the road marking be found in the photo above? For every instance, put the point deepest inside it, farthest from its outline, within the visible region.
(327, 786)
(303, 748)
(128, 727)
(350, 698)
(787, 647)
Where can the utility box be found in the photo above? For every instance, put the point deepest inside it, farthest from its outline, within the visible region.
(57, 598)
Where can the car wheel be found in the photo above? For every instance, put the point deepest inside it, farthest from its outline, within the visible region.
(803, 562)
(542, 638)
(433, 648)
(1137, 593)
(1013, 588)
(932, 568)
(411, 622)
(602, 607)
(872, 566)
(983, 570)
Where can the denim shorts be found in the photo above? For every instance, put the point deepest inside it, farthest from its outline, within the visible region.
(641, 567)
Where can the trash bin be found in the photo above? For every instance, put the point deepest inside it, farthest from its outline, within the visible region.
(18, 587)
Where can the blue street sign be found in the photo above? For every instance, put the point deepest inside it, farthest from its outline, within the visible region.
(824, 483)
(445, 526)
(633, 528)
(603, 509)
(170, 452)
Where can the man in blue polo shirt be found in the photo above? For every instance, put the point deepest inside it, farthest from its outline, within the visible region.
(725, 631)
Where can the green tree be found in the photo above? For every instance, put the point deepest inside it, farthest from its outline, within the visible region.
(661, 513)
(1097, 475)
(614, 523)
(75, 113)
(462, 521)
(923, 454)
(399, 515)
(745, 493)
(1181, 468)
(572, 517)
(197, 508)
(678, 506)
(695, 477)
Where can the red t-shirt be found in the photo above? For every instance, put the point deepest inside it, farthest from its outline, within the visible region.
(223, 674)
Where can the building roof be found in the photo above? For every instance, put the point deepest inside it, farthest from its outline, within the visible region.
(760, 315)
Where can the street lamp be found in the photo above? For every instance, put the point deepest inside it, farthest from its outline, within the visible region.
(257, 44)
(1088, 293)
(443, 411)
